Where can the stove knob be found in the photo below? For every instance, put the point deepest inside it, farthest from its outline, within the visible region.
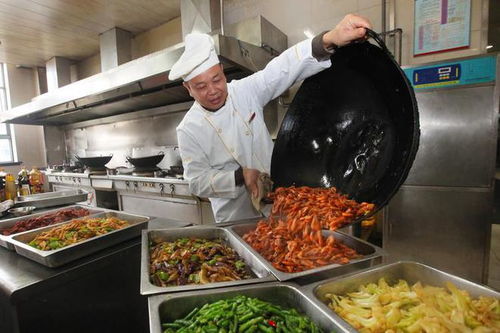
(172, 189)
(162, 188)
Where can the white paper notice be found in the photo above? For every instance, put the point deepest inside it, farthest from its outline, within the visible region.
(441, 25)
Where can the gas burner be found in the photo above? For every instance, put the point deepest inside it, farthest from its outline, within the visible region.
(95, 171)
(145, 172)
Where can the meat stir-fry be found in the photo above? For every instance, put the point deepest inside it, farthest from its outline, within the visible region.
(291, 239)
(296, 246)
(45, 220)
(76, 231)
(332, 210)
(195, 261)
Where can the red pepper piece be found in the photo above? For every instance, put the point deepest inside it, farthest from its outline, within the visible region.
(272, 323)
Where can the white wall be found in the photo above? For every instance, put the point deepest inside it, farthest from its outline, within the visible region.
(295, 16)
(29, 140)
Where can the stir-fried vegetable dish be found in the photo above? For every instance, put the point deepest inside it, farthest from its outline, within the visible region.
(380, 307)
(61, 215)
(76, 231)
(195, 261)
(242, 314)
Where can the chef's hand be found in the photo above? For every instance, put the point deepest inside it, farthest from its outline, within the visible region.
(351, 28)
(251, 176)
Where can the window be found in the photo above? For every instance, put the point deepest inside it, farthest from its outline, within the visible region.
(6, 149)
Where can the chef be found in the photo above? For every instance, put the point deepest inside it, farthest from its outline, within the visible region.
(223, 140)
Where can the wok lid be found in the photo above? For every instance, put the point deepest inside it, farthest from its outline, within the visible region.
(353, 126)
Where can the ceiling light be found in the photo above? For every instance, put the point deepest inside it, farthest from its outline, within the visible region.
(489, 47)
(308, 33)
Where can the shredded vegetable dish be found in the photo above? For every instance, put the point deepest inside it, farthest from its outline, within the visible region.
(242, 314)
(76, 231)
(380, 307)
(195, 261)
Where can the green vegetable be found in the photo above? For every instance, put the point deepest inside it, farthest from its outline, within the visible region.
(163, 275)
(379, 307)
(238, 314)
(239, 264)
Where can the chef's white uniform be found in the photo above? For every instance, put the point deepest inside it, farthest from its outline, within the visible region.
(214, 144)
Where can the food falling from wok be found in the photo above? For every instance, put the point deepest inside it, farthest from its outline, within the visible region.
(326, 206)
(291, 238)
(195, 261)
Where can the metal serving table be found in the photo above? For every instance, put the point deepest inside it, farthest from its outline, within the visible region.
(100, 286)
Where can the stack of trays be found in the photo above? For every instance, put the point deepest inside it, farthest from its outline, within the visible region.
(54, 258)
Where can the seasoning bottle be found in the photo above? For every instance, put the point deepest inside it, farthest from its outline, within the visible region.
(10, 187)
(2, 184)
(36, 181)
(23, 182)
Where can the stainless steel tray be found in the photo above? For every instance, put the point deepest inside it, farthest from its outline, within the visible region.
(72, 252)
(5, 224)
(167, 308)
(51, 199)
(369, 252)
(261, 272)
(410, 271)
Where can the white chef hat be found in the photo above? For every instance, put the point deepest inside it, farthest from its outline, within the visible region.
(199, 55)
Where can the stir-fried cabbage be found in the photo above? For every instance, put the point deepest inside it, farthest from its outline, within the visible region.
(379, 307)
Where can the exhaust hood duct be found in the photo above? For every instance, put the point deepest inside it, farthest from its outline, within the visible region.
(143, 83)
(200, 16)
(115, 48)
(58, 72)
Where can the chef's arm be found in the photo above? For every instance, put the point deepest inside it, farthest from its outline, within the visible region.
(204, 181)
(247, 177)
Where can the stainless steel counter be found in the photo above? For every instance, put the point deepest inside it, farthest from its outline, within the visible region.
(106, 280)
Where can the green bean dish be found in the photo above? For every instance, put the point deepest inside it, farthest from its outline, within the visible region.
(242, 314)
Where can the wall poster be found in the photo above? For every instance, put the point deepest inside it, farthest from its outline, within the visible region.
(441, 25)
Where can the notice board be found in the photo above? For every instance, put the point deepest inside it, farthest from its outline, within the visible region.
(441, 25)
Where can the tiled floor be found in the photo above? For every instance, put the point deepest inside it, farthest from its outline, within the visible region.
(494, 270)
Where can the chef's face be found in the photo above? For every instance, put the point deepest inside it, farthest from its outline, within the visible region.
(209, 88)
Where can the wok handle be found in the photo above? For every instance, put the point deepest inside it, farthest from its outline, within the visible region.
(372, 34)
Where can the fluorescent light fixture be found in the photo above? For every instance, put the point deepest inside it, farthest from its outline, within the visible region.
(489, 47)
(308, 33)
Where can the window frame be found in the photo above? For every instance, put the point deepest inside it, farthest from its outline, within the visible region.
(9, 131)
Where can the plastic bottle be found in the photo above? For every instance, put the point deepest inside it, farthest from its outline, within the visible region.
(23, 182)
(36, 181)
(10, 187)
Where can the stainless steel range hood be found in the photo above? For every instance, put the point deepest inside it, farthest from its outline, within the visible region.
(137, 85)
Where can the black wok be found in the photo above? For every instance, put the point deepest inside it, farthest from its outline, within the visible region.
(94, 162)
(147, 161)
(353, 126)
